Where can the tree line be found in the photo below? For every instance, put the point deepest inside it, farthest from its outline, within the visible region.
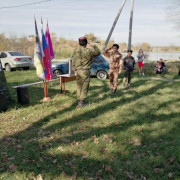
(63, 48)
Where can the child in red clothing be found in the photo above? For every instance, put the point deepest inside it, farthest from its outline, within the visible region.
(140, 57)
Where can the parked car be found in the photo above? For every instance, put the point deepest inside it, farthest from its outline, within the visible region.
(100, 68)
(12, 60)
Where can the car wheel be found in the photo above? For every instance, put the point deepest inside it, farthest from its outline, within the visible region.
(102, 74)
(7, 67)
(56, 73)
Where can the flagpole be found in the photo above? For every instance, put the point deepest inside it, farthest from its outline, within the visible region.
(130, 24)
(47, 88)
(113, 26)
(44, 88)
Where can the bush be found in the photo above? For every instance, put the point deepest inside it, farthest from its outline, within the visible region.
(64, 53)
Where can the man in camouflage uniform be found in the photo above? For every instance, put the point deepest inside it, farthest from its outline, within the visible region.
(128, 65)
(115, 65)
(82, 62)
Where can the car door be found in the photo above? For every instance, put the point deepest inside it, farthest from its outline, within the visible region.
(3, 57)
(94, 67)
(99, 63)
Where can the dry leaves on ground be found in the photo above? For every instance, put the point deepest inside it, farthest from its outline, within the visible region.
(135, 141)
(12, 168)
(170, 175)
(130, 175)
(39, 177)
(107, 138)
(109, 169)
(74, 176)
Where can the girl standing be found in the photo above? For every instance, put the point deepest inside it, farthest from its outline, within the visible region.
(140, 57)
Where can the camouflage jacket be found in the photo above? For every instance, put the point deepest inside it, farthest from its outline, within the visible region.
(82, 57)
(115, 60)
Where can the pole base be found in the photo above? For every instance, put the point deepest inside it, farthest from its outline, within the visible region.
(46, 99)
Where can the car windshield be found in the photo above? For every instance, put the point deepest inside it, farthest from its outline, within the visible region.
(16, 54)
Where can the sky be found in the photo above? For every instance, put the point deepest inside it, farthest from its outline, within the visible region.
(74, 18)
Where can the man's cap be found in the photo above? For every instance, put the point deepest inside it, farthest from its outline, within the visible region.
(83, 41)
(129, 50)
(81, 38)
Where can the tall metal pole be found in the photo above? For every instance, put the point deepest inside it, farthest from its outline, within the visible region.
(130, 25)
(113, 26)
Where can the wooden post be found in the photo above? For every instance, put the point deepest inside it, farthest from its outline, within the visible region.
(113, 26)
(45, 85)
(130, 25)
(47, 82)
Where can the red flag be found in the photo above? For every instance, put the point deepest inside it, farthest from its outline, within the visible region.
(49, 43)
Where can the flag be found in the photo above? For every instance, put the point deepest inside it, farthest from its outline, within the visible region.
(38, 55)
(49, 43)
(48, 40)
(46, 57)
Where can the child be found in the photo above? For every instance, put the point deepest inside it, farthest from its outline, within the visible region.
(140, 57)
(160, 67)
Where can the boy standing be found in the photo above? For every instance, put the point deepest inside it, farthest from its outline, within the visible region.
(115, 65)
(128, 64)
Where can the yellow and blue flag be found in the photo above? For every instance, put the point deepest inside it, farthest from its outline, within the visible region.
(38, 55)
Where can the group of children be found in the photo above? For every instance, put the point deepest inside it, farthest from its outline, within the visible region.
(160, 67)
(116, 66)
(127, 64)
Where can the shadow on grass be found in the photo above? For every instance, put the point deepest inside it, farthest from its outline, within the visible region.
(32, 156)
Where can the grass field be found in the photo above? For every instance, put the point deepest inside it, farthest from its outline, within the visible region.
(133, 134)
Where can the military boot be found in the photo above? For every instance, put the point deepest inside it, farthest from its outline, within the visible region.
(78, 105)
(114, 90)
(82, 104)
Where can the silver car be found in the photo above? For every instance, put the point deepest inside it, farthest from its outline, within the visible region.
(12, 60)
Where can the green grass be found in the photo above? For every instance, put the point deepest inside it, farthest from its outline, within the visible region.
(133, 134)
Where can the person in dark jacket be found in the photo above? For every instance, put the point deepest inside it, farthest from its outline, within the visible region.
(128, 65)
(160, 67)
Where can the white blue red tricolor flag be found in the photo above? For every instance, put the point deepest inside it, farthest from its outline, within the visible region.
(46, 56)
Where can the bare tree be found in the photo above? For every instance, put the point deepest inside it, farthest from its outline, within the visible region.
(91, 37)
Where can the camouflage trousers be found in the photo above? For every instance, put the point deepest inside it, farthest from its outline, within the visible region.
(127, 77)
(83, 80)
(113, 77)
